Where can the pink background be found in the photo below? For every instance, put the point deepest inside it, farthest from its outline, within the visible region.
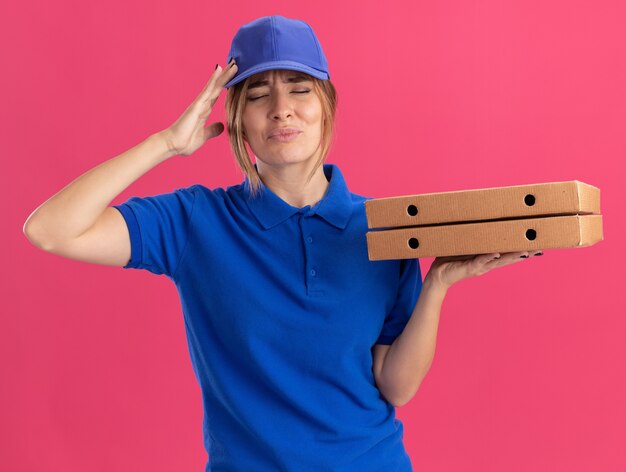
(529, 372)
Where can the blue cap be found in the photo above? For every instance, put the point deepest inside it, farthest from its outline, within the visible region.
(276, 42)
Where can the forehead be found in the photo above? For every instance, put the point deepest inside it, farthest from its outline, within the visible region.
(287, 76)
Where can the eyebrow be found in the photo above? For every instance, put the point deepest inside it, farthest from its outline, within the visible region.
(292, 79)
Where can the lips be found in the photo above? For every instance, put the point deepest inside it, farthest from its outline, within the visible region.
(284, 132)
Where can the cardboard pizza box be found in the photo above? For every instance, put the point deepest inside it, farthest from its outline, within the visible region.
(527, 234)
(521, 201)
(468, 222)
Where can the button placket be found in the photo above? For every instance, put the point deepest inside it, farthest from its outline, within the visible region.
(311, 272)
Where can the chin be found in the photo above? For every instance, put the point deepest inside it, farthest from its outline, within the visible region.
(288, 158)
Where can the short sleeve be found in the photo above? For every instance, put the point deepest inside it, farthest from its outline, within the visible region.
(409, 290)
(159, 229)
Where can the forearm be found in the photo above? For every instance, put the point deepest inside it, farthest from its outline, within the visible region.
(74, 209)
(411, 354)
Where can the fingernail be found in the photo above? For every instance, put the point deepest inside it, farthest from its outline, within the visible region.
(523, 257)
(497, 257)
(232, 61)
(216, 66)
(539, 254)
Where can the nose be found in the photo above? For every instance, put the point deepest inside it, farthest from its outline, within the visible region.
(281, 105)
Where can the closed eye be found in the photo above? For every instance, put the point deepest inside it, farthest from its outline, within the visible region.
(261, 96)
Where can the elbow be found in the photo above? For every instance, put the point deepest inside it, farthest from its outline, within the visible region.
(28, 232)
(28, 229)
(402, 401)
(403, 396)
(399, 390)
(33, 236)
(398, 403)
(398, 400)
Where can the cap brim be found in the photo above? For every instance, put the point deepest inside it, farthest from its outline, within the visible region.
(289, 65)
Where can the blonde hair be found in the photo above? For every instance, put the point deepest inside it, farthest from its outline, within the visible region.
(235, 104)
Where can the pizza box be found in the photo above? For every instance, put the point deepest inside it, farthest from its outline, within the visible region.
(521, 201)
(464, 223)
(526, 234)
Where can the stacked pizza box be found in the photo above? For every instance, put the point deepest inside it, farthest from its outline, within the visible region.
(553, 215)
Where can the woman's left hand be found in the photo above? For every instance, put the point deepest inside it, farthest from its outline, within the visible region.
(449, 270)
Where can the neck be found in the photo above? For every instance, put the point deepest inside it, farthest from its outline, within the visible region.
(289, 182)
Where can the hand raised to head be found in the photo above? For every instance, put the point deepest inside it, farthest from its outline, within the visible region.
(189, 132)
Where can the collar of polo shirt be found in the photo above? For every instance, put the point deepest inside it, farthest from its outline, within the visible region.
(335, 206)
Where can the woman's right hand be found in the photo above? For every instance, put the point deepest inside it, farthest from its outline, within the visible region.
(188, 133)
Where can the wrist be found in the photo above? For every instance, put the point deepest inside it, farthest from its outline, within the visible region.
(433, 282)
(165, 143)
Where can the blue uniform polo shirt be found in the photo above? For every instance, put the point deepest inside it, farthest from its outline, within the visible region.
(281, 308)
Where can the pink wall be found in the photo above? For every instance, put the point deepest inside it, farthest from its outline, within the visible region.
(529, 372)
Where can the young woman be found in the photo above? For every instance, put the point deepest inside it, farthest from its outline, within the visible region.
(301, 345)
